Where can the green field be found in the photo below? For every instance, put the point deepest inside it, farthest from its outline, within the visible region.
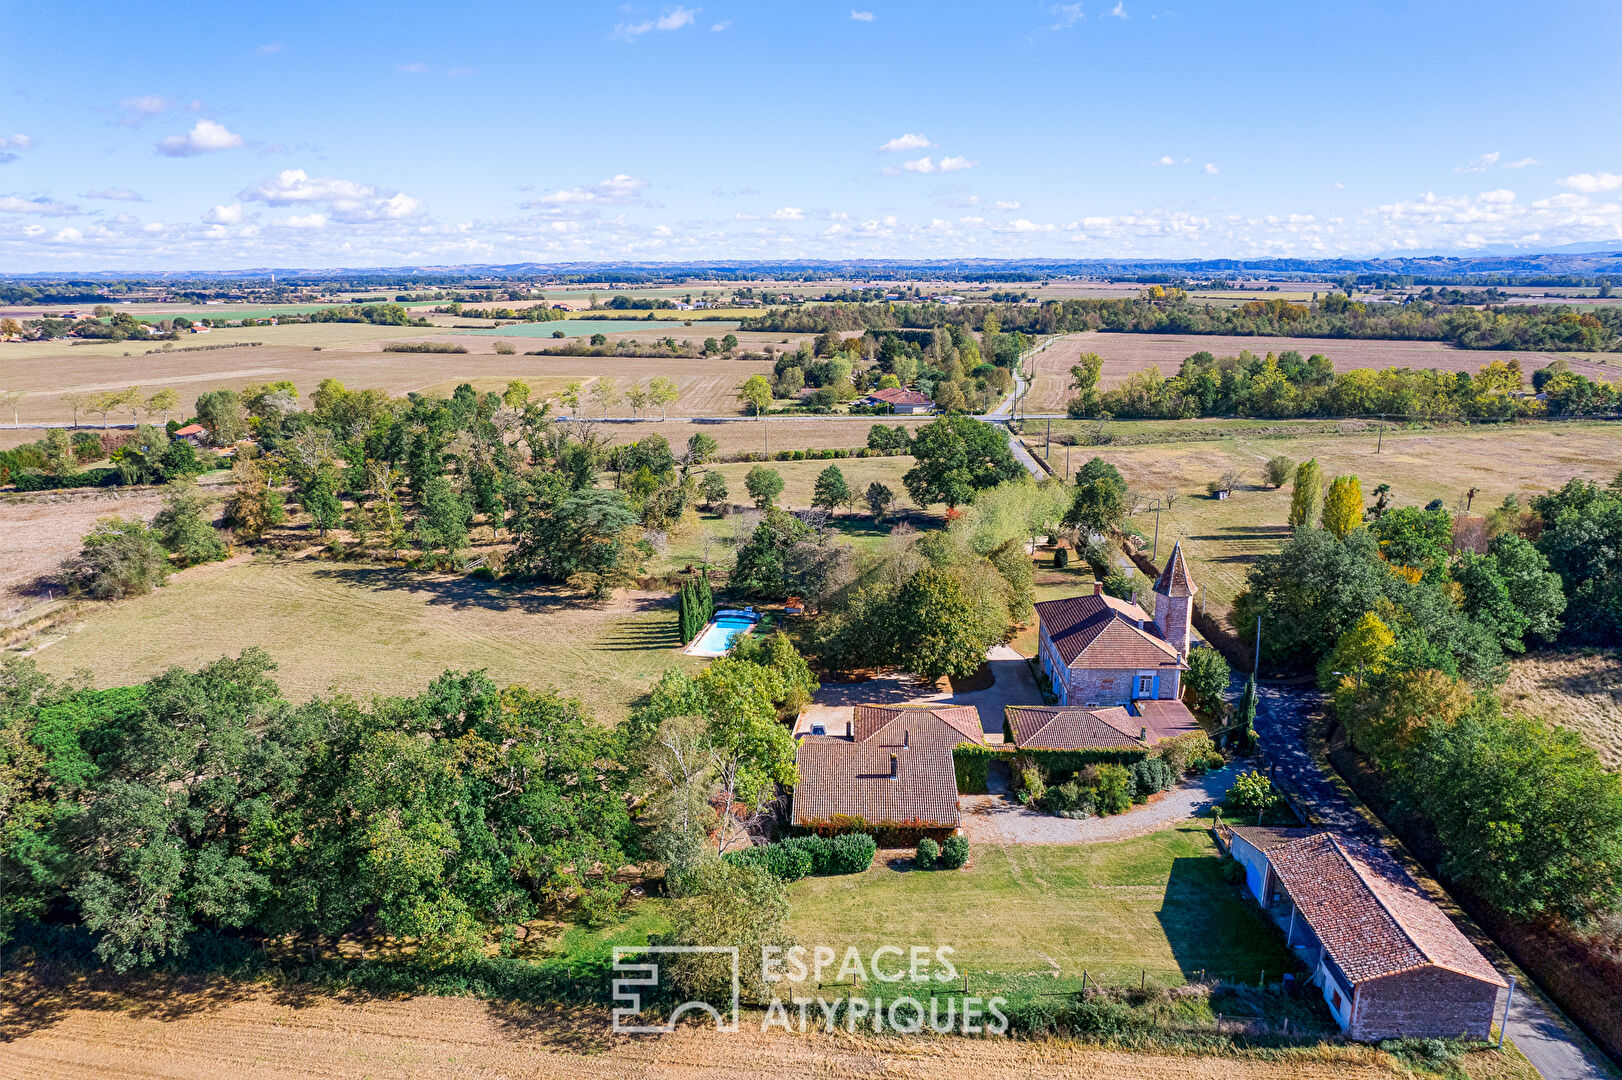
(1033, 918)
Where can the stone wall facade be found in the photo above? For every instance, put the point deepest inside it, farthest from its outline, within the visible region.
(1424, 1004)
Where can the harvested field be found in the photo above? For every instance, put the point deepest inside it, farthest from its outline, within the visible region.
(1224, 537)
(1127, 354)
(204, 1031)
(375, 630)
(308, 353)
(1580, 690)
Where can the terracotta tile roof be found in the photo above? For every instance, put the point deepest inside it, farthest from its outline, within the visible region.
(190, 429)
(852, 776)
(1371, 917)
(1057, 728)
(1267, 837)
(1103, 632)
(869, 721)
(894, 396)
(1175, 579)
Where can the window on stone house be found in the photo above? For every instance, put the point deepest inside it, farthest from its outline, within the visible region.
(1146, 684)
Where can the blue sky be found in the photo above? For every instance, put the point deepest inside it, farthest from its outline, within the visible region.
(213, 136)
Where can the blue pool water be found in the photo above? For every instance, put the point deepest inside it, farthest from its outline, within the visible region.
(718, 637)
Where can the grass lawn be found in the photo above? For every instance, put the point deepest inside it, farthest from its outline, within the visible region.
(366, 630)
(1580, 689)
(1032, 918)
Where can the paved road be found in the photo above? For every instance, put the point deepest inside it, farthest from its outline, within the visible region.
(1549, 1041)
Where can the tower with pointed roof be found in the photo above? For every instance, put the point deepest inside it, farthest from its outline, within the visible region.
(1174, 602)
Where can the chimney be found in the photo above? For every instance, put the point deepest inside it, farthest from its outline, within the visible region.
(1143, 734)
(892, 766)
(906, 740)
(1098, 588)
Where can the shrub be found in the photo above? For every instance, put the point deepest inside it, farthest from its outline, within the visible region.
(1031, 787)
(1190, 752)
(789, 862)
(851, 853)
(1150, 776)
(121, 557)
(954, 853)
(1061, 557)
(1279, 469)
(1113, 789)
(928, 852)
(505, 348)
(1071, 799)
(1251, 793)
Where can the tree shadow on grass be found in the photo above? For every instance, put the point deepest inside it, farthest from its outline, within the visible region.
(640, 637)
(464, 593)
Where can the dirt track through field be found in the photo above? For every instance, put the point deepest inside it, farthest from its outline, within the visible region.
(250, 1034)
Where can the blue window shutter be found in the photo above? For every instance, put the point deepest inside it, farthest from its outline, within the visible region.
(1157, 687)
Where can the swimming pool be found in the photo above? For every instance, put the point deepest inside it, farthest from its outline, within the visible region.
(725, 629)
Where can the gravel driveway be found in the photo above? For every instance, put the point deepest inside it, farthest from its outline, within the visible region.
(998, 819)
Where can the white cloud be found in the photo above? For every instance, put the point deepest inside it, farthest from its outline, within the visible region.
(861, 16)
(205, 137)
(787, 213)
(416, 67)
(68, 236)
(1119, 10)
(347, 200)
(906, 142)
(9, 145)
(717, 28)
(1210, 169)
(1521, 163)
(956, 164)
(1164, 159)
(40, 206)
(1007, 204)
(224, 215)
(137, 109)
(1499, 195)
(116, 194)
(1069, 15)
(306, 221)
(617, 190)
(674, 19)
(1592, 182)
(921, 165)
(269, 49)
(1480, 164)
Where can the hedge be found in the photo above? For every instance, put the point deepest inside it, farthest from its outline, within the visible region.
(803, 856)
(50, 482)
(969, 762)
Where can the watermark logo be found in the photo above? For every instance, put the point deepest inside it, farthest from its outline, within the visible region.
(627, 1018)
(807, 989)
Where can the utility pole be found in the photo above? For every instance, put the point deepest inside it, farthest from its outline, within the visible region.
(764, 434)
(1047, 450)
(1380, 441)
(1505, 1022)
(1256, 665)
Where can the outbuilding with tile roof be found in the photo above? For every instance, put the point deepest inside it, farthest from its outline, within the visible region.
(1389, 960)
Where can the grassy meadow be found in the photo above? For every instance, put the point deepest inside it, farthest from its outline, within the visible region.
(363, 630)
(1224, 537)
